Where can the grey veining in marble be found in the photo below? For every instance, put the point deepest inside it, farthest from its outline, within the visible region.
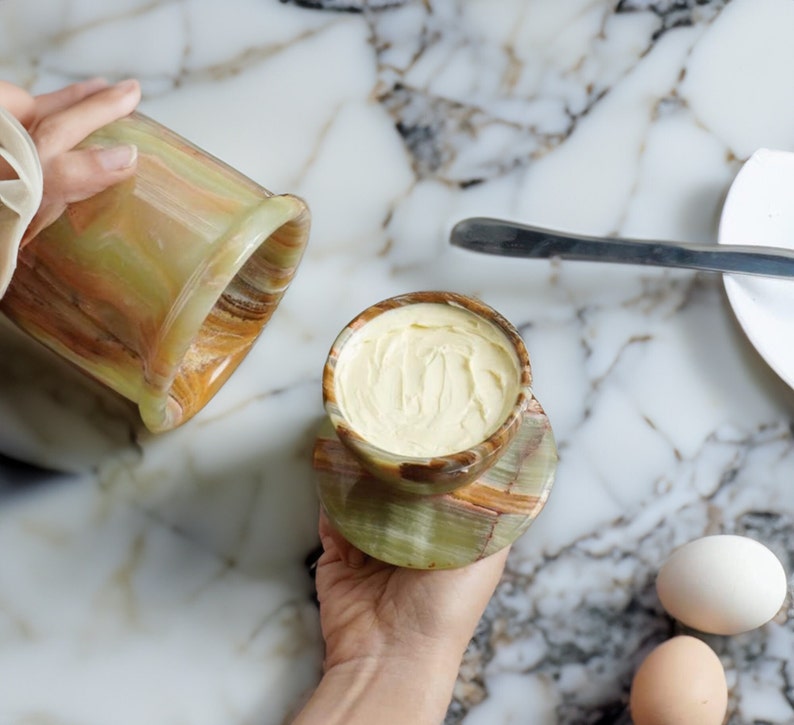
(167, 572)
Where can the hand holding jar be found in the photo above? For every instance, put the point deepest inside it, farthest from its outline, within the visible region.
(394, 636)
(60, 120)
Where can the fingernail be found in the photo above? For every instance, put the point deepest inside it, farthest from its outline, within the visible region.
(118, 158)
(95, 84)
(127, 85)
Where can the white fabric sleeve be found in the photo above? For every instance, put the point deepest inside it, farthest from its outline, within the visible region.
(20, 197)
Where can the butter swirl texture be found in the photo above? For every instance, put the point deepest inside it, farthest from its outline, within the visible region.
(427, 379)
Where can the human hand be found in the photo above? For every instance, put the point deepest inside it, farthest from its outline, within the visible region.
(394, 637)
(376, 610)
(57, 122)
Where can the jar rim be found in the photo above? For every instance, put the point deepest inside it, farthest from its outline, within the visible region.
(448, 470)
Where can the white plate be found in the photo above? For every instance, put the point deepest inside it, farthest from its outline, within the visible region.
(759, 210)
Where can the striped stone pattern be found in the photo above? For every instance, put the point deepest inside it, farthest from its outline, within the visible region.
(439, 530)
(158, 287)
(441, 512)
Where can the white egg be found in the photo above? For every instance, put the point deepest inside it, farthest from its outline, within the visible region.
(722, 584)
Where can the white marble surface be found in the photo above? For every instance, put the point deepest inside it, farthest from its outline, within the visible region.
(162, 580)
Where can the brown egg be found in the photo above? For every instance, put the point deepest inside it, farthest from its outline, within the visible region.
(681, 682)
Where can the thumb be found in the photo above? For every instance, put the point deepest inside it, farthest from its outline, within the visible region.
(78, 175)
(331, 540)
(81, 174)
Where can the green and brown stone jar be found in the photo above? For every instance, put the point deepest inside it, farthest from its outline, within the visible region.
(435, 453)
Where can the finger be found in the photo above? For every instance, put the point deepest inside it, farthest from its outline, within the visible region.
(78, 175)
(491, 566)
(484, 575)
(45, 216)
(495, 563)
(49, 103)
(17, 101)
(63, 129)
(331, 538)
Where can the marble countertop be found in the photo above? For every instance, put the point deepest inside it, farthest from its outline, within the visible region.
(162, 579)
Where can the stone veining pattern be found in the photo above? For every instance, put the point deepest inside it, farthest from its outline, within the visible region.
(167, 572)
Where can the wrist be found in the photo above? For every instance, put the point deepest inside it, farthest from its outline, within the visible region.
(415, 688)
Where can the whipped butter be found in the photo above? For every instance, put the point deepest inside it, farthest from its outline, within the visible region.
(427, 379)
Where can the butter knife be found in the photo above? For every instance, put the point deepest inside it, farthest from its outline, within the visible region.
(509, 239)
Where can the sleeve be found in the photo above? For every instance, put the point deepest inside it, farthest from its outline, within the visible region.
(20, 195)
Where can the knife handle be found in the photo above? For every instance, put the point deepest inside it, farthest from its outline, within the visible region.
(509, 239)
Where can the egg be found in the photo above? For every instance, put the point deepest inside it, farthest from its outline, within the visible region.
(722, 584)
(681, 682)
